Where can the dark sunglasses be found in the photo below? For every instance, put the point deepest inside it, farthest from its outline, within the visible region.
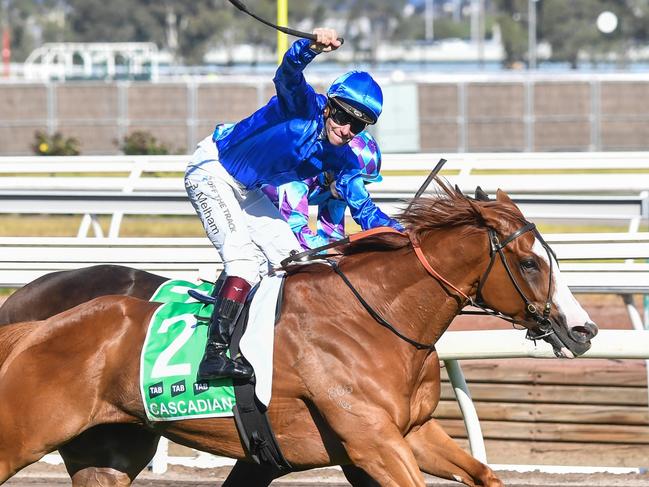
(341, 117)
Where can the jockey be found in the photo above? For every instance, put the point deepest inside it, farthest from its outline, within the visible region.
(296, 135)
(293, 199)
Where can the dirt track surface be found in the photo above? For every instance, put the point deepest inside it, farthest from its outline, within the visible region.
(46, 475)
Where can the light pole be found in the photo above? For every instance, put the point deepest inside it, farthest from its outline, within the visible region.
(477, 28)
(429, 16)
(531, 34)
(282, 19)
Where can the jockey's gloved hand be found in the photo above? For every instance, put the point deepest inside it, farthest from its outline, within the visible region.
(327, 40)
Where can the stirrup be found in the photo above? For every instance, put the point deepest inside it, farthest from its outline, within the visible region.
(223, 366)
(200, 297)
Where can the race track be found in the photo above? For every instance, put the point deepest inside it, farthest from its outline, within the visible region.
(54, 476)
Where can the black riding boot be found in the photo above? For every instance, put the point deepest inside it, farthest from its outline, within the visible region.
(215, 363)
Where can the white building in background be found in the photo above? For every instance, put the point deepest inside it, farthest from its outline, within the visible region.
(99, 60)
(446, 50)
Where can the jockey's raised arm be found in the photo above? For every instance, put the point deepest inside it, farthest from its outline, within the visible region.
(298, 134)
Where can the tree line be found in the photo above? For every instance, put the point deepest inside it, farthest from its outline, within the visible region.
(189, 29)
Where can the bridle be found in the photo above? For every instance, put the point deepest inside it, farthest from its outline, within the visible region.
(540, 319)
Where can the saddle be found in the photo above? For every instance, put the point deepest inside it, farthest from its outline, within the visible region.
(250, 414)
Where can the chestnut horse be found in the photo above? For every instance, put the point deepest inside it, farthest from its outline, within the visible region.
(381, 423)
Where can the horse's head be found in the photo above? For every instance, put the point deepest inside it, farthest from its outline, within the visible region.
(516, 273)
(523, 280)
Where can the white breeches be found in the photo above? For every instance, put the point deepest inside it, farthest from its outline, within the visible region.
(244, 225)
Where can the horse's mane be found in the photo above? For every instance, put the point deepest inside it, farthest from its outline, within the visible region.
(449, 207)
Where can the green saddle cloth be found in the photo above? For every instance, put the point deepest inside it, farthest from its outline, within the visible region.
(171, 353)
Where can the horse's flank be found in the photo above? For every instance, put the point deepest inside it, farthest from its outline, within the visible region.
(68, 331)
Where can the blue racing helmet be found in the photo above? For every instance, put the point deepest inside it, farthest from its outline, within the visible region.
(359, 95)
(368, 153)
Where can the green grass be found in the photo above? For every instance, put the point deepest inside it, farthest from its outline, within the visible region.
(132, 226)
(190, 226)
(115, 174)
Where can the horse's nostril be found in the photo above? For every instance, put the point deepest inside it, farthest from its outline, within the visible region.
(593, 328)
(583, 333)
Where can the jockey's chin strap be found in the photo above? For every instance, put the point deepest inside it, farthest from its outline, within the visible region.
(496, 248)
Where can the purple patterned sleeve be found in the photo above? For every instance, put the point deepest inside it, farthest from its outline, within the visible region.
(331, 220)
(292, 200)
(293, 203)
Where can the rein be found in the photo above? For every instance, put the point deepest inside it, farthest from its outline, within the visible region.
(496, 249)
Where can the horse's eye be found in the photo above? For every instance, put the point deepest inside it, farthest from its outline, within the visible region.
(529, 265)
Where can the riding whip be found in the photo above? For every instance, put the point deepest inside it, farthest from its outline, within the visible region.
(431, 176)
(286, 30)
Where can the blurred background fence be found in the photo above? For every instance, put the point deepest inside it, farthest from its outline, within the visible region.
(527, 112)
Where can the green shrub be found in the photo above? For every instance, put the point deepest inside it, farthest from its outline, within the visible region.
(143, 143)
(55, 145)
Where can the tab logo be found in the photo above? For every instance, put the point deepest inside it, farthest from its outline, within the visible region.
(177, 388)
(200, 387)
(156, 390)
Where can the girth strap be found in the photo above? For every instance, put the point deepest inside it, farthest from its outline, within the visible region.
(250, 415)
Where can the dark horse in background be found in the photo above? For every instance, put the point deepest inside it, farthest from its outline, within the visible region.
(441, 227)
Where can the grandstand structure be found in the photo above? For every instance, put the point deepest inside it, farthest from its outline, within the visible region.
(88, 60)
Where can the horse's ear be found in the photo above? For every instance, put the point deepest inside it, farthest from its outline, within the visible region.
(480, 195)
(503, 197)
(478, 209)
(485, 212)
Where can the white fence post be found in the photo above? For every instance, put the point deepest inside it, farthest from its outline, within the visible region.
(471, 420)
(159, 462)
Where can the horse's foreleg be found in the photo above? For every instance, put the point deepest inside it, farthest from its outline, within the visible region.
(437, 454)
(386, 457)
(373, 443)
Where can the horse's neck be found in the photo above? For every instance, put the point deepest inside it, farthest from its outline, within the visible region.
(458, 259)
